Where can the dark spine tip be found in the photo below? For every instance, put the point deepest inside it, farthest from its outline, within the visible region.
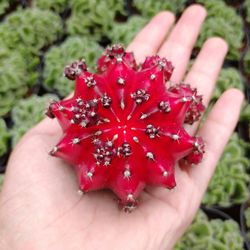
(73, 70)
(49, 112)
(127, 206)
(117, 49)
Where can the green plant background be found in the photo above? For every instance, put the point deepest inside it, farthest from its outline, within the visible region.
(40, 37)
(215, 234)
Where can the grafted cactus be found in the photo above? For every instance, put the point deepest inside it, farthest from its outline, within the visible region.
(121, 131)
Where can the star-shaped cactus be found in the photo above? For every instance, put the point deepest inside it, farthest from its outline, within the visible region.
(123, 128)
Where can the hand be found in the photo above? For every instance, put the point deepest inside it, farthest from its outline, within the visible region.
(40, 207)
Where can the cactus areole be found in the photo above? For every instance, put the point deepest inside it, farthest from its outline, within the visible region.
(123, 128)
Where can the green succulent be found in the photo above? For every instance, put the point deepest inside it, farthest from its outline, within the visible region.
(57, 6)
(15, 79)
(246, 62)
(247, 217)
(247, 221)
(25, 32)
(1, 181)
(247, 7)
(223, 21)
(4, 4)
(58, 57)
(4, 137)
(93, 17)
(149, 8)
(125, 32)
(27, 113)
(30, 29)
(215, 234)
(228, 78)
(245, 113)
(229, 183)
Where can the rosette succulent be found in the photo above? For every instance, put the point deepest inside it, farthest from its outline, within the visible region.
(247, 7)
(149, 8)
(228, 78)
(4, 4)
(125, 32)
(30, 29)
(247, 221)
(215, 234)
(4, 137)
(94, 17)
(245, 113)
(122, 132)
(34, 107)
(246, 62)
(223, 21)
(229, 185)
(15, 81)
(57, 6)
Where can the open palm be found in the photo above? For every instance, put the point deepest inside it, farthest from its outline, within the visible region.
(39, 204)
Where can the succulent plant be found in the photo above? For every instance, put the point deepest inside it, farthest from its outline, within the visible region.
(214, 234)
(4, 4)
(125, 32)
(247, 7)
(246, 62)
(34, 107)
(247, 216)
(57, 57)
(94, 17)
(118, 118)
(30, 29)
(14, 78)
(25, 32)
(57, 6)
(228, 78)
(223, 21)
(229, 185)
(149, 8)
(1, 181)
(4, 137)
(245, 113)
(247, 221)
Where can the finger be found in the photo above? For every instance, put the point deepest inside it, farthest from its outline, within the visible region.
(179, 45)
(150, 38)
(216, 132)
(207, 66)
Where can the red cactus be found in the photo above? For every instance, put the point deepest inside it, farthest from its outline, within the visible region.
(123, 128)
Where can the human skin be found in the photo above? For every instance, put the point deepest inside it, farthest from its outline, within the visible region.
(40, 207)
